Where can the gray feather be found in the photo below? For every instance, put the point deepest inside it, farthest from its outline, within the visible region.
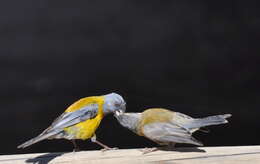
(65, 120)
(169, 133)
(129, 120)
(207, 121)
(37, 139)
(72, 118)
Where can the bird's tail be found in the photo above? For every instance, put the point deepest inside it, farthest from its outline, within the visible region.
(207, 121)
(36, 139)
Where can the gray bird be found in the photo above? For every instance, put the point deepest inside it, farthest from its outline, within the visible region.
(167, 127)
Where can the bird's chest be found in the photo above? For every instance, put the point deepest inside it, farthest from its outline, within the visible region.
(85, 129)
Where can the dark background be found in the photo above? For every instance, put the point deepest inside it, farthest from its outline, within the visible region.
(196, 57)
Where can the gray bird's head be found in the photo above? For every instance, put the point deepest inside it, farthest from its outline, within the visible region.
(114, 103)
(129, 120)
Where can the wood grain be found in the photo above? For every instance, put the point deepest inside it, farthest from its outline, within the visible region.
(201, 155)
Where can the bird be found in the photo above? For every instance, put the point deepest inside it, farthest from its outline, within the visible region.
(166, 127)
(81, 119)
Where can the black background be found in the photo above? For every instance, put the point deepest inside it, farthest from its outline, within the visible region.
(196, 57)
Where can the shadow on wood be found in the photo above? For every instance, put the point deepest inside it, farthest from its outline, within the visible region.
(187, 155)
(186, 149)
(44, 159)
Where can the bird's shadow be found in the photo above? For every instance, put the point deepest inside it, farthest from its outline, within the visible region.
(44, 159)
(182, 149)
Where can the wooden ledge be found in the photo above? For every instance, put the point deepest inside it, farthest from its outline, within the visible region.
(192, 155)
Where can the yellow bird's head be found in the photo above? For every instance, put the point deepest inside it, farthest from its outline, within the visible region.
(114, 103)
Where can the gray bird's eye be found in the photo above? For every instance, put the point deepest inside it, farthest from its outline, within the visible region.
(117, 104)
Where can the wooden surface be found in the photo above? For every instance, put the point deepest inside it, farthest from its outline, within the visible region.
(202, 155)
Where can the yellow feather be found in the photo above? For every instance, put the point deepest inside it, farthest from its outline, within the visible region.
(154, 115)
(85, 101)
(86, 129)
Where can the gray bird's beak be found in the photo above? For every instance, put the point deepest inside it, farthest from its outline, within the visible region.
(119, 112)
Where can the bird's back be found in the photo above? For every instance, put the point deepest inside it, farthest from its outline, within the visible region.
(158, 125)
(154, 115)
(84, 102)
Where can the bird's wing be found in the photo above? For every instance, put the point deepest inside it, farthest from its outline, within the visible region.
(68, 119)
(183, 120)
(163, 132)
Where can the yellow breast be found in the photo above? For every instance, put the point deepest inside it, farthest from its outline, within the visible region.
(86, 129)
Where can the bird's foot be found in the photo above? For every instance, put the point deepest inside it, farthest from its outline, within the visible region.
(76, 150)
(105, 147)
(149, 150)
(109, 148)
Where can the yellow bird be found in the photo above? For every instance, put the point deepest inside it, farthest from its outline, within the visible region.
(81, 119)
(167, 127)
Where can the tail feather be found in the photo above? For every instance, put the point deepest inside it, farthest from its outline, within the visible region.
(207, 121)
(204, 130)
(36, 139)
(196, 142)
(226, 115)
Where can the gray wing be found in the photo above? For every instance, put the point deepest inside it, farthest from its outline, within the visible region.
(183, 121)
(65, 120)
(72, 118)
(168, 133)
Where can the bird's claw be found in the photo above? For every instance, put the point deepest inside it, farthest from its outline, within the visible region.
(148, 150)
